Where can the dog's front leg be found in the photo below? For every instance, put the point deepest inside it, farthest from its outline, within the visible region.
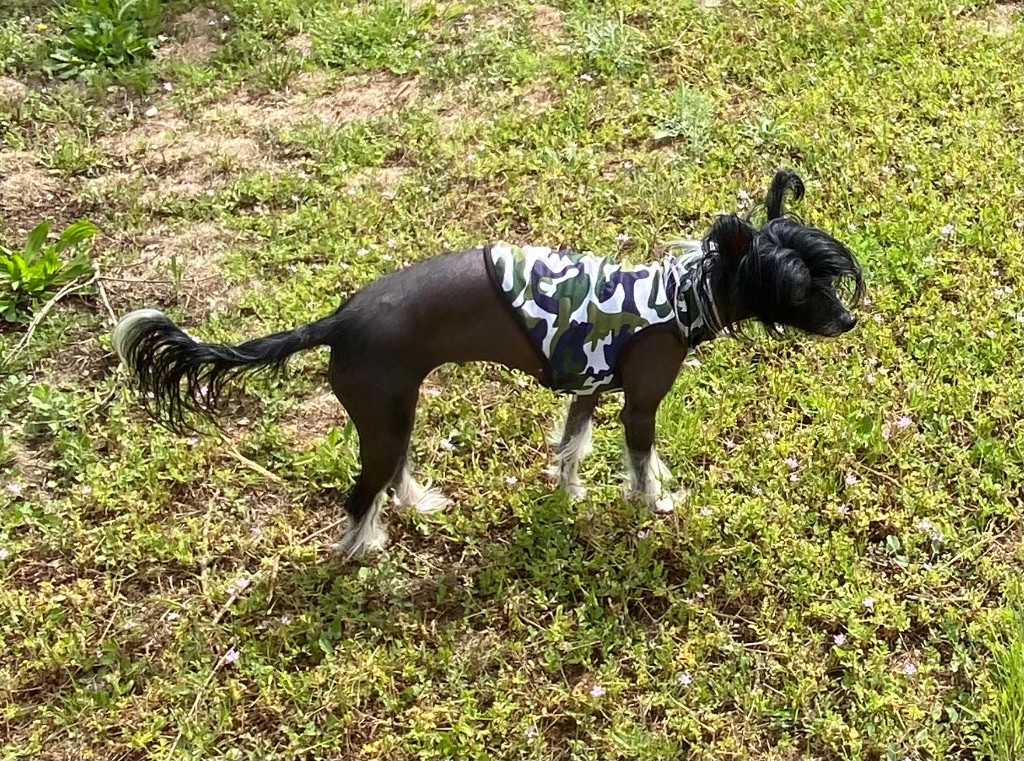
(647, 473)
(572, 444)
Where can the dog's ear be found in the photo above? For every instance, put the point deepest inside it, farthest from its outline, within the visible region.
(732, 238)
(785, 179)
(789, 276)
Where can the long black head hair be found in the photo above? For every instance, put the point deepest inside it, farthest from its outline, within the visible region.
(782, 272)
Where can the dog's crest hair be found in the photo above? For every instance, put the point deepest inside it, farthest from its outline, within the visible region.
(775, 263)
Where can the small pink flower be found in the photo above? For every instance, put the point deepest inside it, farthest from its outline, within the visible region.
(622, 238)
(643, 533)
(511, 480)
(868, 602)
(14, 489)
(596, 691)
(909, 668)
(904, 421)
(530, 731)
(4, 553)
(446, 445)
(851, 479)
(685, 679)
(792, 463)
(946, 230)
(839, 639)
(706, 511)
(729, 444)
(286, 619)
(230, 656)
(843, 509)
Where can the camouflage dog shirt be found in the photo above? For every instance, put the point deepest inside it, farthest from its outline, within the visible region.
(579, 311)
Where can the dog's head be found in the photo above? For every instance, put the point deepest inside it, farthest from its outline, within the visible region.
(785, 273)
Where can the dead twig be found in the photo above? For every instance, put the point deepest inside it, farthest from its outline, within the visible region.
(70, 288)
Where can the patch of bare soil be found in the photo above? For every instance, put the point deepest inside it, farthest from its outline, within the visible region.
(317, 414)
(12, 93)
(546, 21)
(175, 265)
(357, 97)
(195, 37)
(29, 193)
(1001, 18)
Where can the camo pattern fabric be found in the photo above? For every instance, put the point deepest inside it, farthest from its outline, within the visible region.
(581, 310)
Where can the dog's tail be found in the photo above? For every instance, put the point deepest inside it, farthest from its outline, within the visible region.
(177, 374)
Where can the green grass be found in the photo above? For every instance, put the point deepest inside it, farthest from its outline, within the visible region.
(300, 150)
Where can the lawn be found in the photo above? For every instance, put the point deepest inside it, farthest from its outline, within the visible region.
(844, 581)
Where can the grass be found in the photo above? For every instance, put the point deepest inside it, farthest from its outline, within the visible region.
(855, 602)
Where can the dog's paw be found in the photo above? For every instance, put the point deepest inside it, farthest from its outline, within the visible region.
(659, 503)
(575, 492)
(431, 501)
(366, 537)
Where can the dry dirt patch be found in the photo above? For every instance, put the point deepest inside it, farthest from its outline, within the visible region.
(546, 21)
(357, 97)
(196, 37)
(315, 415)
(164, 255)
(28, 193)
(1000, 18)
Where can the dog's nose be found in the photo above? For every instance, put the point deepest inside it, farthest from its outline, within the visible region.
(847, 321)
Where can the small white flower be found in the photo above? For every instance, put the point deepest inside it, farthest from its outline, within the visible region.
(924, 525)
(530, 731)
(362, 252)
(230, 656)
(794, 477)
(877, 318)
(392, 243)
(151, 112)
(743, 195)
(839, 639)
(909, 668)
(241, 583)
(596, 691)
(173, 616)
(870, 379)
(225, 18)
(168, 87)
(868, 602)
(729, 444)
(851, 479)
(622, 237)
(86, 491)
(792, 463)
(586, 77)
(446, 445)
(643, 533)
(706, 511)
(685, 679)
(255, 532)
(511, 480)
(904, 421)
(4, 553)
(192, 440)
(295, 199)
(14, 489)
(757, 490)
(843, 509)
(946, 230)
(286, 619)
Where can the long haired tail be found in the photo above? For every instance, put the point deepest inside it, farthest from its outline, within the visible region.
(176, 374)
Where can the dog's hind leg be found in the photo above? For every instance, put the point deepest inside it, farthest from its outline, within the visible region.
(410, 493)
(572, 443)
(382, 407)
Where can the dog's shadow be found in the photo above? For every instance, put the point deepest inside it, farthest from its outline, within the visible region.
(553, 556)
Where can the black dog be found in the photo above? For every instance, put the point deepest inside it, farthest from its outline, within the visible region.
(577, 323)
